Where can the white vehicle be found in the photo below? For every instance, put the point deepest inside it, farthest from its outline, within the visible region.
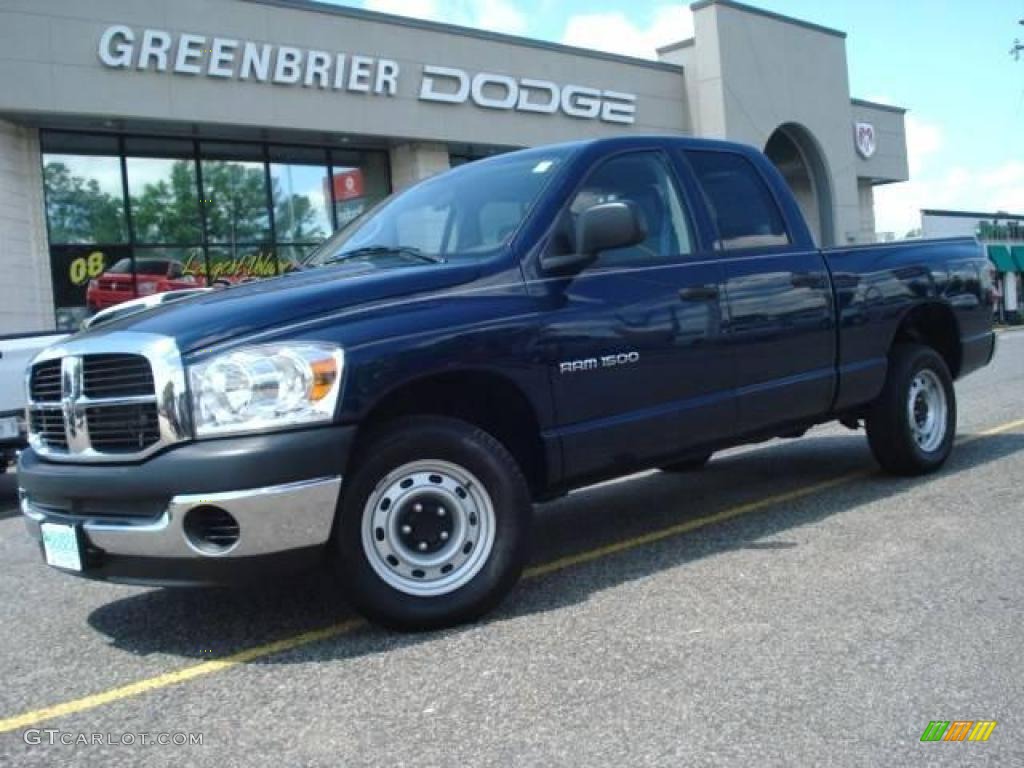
(134, 306)
(16, 352)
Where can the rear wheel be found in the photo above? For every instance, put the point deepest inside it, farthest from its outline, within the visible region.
(434, 524)
(912, 424)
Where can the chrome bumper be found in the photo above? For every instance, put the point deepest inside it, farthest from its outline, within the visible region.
(271, 520)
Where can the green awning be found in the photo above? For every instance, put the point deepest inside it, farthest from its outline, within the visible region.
(1018, 256)
(1000, 256)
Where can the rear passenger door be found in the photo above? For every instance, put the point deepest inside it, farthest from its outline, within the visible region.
(633, 342)
(780, 327)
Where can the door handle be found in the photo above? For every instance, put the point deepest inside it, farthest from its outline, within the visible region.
(699, 293)
(807, 280)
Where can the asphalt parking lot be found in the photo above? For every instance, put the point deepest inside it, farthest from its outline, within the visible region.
(787, 606)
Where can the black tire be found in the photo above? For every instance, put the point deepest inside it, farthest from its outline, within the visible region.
(457, 443)
(690, 465)
(891, 433)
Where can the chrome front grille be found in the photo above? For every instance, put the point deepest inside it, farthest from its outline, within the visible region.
(111, 398)
(123, 428)
(49, 426)
(116, 376)
(44, 384)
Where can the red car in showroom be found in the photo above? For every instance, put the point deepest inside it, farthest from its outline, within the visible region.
(151, 276)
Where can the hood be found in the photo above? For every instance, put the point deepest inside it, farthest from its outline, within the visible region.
(244, 309)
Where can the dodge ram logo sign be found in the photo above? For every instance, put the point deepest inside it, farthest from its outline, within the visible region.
(864, 136)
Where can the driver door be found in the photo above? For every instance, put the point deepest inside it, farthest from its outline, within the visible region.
(634, 342)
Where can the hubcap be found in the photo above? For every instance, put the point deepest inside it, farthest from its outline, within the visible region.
(428, 528)
(927, 411)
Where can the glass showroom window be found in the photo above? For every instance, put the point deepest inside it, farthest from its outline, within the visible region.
(85, 214)
(302, 202)
(129, 215)
(358, 181)
(236, 205)
(163, 198)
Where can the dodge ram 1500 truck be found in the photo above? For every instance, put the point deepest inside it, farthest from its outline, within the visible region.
(490, 337)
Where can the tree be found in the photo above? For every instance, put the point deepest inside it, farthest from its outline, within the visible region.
(167, 211)
(295, 219)
(78, 211)
(235, 201)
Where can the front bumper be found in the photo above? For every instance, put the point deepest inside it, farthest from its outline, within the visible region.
(282, 489)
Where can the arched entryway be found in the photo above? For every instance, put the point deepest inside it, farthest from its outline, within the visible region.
(797, 155)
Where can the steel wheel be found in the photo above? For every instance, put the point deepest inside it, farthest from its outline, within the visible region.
(912, 423)
(428, 528)
(927, 411)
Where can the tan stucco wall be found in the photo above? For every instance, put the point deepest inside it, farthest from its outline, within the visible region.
(26, 300)
(749, 72)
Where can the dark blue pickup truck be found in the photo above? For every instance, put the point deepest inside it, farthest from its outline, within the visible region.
(490, 337)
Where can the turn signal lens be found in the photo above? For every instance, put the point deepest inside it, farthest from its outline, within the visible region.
(325, 373)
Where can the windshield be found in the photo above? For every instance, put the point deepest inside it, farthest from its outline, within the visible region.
(468, 213)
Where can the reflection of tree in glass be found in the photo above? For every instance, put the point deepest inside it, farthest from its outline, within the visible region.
(235, 202)
(77, 209)
(168, 212)
(295, 218)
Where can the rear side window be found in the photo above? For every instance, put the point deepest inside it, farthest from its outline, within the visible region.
(739, 200)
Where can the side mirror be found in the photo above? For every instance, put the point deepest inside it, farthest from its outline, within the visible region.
(599, 228)
(607, 226)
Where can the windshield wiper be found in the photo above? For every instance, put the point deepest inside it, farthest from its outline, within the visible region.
(383, 250)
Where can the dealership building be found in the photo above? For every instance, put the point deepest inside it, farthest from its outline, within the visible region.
(146, 146)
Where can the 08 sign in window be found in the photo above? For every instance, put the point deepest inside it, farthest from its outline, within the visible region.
(85, 268)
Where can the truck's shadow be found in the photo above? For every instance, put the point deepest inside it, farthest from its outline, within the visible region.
(206, 624)
(9, 495)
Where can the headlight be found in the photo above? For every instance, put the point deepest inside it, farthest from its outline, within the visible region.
(266, 387)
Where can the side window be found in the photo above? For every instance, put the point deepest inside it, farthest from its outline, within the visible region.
(739, 200)
(644, 179)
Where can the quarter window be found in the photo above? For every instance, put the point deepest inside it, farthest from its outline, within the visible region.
(739, 201)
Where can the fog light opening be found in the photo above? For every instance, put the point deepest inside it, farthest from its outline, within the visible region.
(211, 530)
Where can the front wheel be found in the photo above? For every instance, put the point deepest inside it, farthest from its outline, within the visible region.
(912, 424)
(434, 524)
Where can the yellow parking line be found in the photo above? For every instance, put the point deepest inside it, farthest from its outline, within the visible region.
(178, 676)
(326, 633)
(1008, 427)
(689, 525)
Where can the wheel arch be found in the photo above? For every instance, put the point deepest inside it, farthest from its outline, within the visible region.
(934, 324)
(489, 400)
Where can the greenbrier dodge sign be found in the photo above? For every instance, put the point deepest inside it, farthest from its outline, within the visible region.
(121, 47)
